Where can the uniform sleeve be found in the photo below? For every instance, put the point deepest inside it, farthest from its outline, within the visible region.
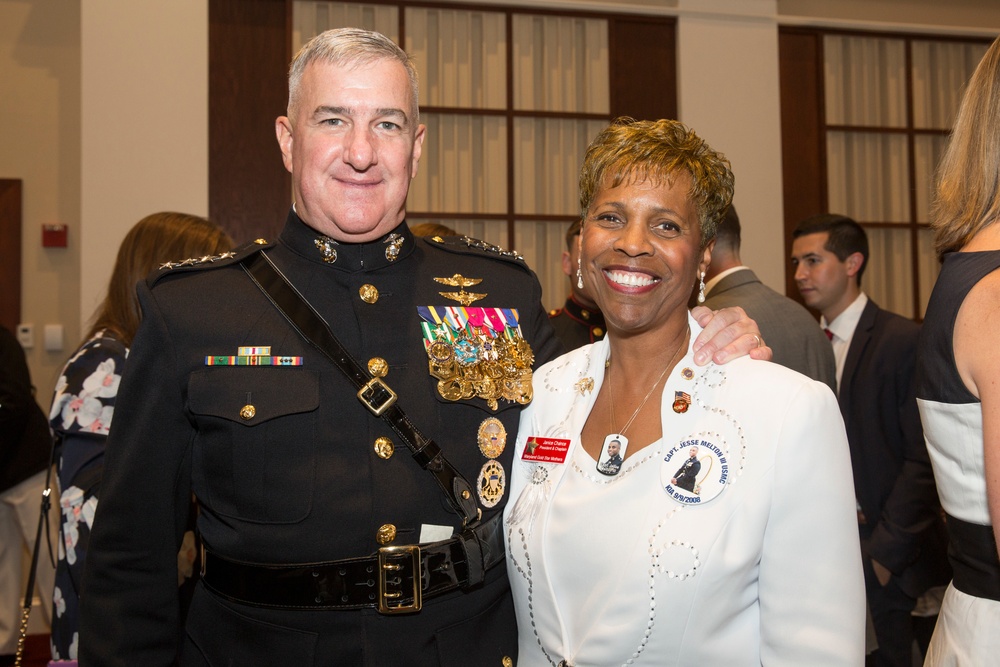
(129, 605)
(812, 596)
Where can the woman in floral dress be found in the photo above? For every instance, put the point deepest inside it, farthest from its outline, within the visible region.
(84, 401)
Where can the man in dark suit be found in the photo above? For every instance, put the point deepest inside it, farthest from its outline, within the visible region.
(787, 327)
(332, 533)
(579, 322)
(898, 512)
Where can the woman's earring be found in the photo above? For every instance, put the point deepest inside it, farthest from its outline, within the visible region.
(701, 288)
(579, 273)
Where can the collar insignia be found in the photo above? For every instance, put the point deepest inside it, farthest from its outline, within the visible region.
(327, 248)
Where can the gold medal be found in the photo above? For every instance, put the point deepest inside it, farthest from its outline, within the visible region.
(491, 483)
(492, 437)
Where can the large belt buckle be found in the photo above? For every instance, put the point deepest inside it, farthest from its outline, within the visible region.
(385, 567)
(376, 409)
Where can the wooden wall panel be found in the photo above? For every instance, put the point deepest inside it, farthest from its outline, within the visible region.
(643, 67)
(10, 253)
(802, 149)
(249, 52)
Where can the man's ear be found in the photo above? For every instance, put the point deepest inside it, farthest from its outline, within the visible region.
(567, 264)
(853, 263)
(283, 130)
(418, 149)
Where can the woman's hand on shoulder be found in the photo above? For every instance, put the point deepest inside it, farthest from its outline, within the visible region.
(728, 334)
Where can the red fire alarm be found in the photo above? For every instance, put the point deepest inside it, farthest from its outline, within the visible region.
(54, 236)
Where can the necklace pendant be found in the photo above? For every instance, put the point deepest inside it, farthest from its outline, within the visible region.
(612, 453)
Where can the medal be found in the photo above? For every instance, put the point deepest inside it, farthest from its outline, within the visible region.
(477, 352)
(492, 437)
(491, 483)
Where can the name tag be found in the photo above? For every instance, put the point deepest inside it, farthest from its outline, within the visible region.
(545, 450)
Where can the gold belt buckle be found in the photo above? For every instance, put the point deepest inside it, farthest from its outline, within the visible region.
(385, 597)
(376, 410)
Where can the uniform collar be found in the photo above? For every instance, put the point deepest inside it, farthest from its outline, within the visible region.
(589, 316)
(302, 239)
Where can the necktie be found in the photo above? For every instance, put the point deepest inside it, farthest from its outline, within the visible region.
(829, 334)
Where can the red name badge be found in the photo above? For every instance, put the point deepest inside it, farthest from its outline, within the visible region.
(545, 450)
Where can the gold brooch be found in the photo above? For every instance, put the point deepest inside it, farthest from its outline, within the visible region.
(585, 385)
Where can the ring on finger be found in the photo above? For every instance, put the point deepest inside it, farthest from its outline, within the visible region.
(759, 341)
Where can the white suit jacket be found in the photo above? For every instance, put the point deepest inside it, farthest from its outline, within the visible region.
(759, 566)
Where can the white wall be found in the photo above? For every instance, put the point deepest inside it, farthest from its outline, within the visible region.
(144, 123)
(728, 93)
(40, 145)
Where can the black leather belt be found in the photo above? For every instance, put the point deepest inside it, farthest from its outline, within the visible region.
(394, 580)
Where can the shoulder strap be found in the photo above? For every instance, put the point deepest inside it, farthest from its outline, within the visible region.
(373, 392)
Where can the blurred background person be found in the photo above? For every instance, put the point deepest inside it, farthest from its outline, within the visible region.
(25, 450)
(85, 393)
(958, 370)
(579, 322)
(786, 325)
(757, 561)
(903, 539)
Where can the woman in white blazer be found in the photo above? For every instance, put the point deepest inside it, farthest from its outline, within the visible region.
(727, 534)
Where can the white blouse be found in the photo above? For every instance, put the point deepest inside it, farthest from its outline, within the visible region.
(758, 564)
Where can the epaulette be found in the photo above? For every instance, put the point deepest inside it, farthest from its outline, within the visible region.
(208, 261)
(469, 245)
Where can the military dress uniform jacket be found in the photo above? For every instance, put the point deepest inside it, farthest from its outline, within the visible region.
(297, 479)
(576, 326)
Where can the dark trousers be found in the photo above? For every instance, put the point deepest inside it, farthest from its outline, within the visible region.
(894, 624)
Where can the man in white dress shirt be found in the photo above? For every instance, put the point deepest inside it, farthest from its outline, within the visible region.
(902, 536)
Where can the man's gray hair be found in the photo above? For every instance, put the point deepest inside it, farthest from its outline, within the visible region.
(349, 46)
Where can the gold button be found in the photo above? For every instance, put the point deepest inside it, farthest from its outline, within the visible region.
(247, 412)
(386, 534)
(369, 294)
(585, 314)
(260, 241)
(466, 494)
(507, 662)
(598, 331)
(384, 448)
(378, 367)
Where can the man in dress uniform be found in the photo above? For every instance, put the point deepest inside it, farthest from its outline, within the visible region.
(579, 322)
(351, 485)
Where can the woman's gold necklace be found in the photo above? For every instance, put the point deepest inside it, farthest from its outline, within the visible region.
(615, 443)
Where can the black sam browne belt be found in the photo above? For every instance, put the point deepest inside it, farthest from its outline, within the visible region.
(394, 580)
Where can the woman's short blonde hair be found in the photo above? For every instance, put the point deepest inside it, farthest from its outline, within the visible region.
(657, 151)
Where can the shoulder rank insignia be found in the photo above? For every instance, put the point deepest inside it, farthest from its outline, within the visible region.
(461, 282)
(193, 261)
